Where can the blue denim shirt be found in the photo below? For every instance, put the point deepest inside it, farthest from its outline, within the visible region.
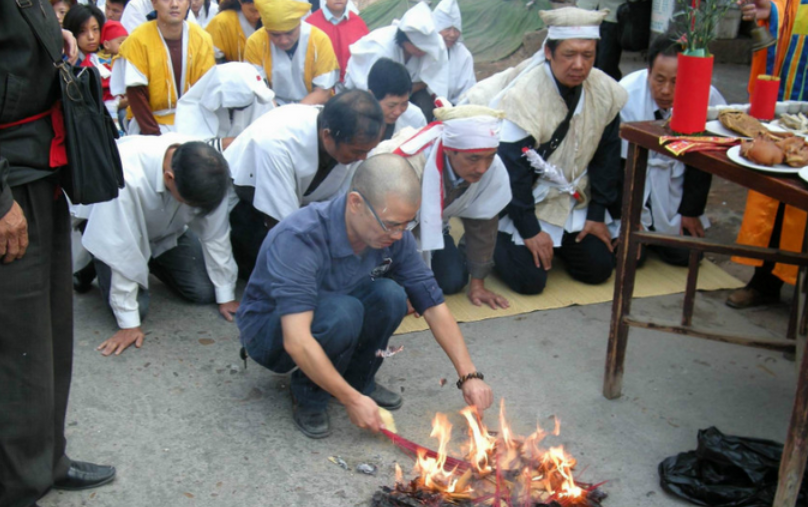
(308, 255)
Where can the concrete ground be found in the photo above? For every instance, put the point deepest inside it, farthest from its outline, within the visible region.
(187, 425)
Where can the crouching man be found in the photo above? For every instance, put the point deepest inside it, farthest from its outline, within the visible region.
(171, 219)
(331, 286)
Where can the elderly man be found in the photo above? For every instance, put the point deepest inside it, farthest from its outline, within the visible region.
(161, 60)
(390, 83)
(342, 25)
(461, 176)
(296, 59)
(568, 112)
(170, 220)
(461, 64)
(675, 194)
(331, 287)
(293, 156)
(414, 43)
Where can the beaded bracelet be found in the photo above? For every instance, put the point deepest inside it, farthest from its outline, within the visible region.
(468, 376)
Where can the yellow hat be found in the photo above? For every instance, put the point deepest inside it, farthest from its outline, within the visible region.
(281, 15)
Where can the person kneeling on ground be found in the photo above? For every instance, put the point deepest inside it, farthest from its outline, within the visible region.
(330, 288)
(390, 82)
(462, 176)
(171, 220)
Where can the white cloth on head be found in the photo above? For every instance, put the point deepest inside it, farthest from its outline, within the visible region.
(447, 15)
(227, 99)
(664, 182)
(573, 32)
(145, 220)
(278, 155)
(431, 69)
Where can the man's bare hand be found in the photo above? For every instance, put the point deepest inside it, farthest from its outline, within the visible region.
(693, 226)
(597, 229)
(121, 340)
(71, 47)
(757, 10)
(479, 295)
(477, 393)
(228, 310)
(364, 413)
(541, 246)
(13, 234)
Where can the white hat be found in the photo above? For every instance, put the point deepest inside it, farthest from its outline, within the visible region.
(447, 15)
(420, 29)
(573, 23)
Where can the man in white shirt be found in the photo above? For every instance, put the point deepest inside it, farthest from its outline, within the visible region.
(461, 64)
(675, 194)
(295, 155)
(390, 83)
(171, 220)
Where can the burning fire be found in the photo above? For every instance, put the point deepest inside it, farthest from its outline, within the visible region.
(499, 469)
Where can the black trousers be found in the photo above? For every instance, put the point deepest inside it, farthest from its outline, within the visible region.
(450, 266)
(36, 349)
(248, 228)
(609, 50)
(589, 261)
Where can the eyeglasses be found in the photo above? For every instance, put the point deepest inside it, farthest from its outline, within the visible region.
(390, 228)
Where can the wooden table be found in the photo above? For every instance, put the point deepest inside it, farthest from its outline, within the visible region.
(644, 136)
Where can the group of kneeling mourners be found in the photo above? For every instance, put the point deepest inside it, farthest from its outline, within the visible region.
(339, 215)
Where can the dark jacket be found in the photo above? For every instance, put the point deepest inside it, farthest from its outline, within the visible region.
(28, 86)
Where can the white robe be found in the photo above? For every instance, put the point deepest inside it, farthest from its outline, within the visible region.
(227, 99)
(431, 69)
(461, 72)
(664, 183)
(412, 117)
(278, 156)
(135, 12)
(146, 221)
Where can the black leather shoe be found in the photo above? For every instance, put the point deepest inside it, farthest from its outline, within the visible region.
(83, 279)
(386, 398)
(313, 423)
(83, 475)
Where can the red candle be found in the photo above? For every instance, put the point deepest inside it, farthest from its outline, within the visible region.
(764, 97)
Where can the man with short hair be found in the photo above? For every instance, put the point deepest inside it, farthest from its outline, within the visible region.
(568, 113)
(342, 26)
(462, 176)
(296, 58)
(171, 221)
(390, 83)
(461, 64)
(675, 194)
(113, 9)
(161, 60)
(414, 43)
(295, 155)
(330, 288)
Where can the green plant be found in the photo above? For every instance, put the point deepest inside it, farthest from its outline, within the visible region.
(696, 23)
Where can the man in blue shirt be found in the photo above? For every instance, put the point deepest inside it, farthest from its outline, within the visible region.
(331, 286)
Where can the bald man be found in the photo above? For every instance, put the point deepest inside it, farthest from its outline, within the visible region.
(331, 286)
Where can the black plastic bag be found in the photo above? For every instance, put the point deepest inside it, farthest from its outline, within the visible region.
(726, 471)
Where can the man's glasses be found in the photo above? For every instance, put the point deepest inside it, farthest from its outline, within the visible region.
(390, 228)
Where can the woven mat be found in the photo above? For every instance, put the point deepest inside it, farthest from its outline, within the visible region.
(655, 278)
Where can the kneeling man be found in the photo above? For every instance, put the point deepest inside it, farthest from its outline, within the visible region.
(330, 288)
(171, 220)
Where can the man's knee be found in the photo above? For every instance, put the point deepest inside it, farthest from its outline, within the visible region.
(337, 322)
(596, 271)
(202, 292)
(390, 297)
(528, 280)
(451, 281)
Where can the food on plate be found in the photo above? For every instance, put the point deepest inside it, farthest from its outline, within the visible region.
(763, 150)
(796, 122)
(742, 123)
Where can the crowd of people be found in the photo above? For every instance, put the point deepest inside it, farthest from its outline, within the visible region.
(321, 162)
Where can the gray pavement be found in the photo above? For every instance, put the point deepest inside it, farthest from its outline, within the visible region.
(187, 425)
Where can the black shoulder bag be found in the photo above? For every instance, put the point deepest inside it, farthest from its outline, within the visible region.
(547, 148)
(95, 172)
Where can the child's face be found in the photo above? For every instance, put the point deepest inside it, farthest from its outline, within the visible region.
(60, 8)
(90, 36)
(112, 46)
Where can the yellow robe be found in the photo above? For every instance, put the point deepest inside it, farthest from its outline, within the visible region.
(145, 50)
(225, 30)
(320, 56)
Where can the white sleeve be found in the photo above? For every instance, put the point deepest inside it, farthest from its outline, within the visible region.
(465, 79)
(213, 231)
(326, 81)
(132, 76)
(123, 300)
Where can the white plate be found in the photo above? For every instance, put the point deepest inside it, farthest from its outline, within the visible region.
(717, 128)
(734, 154)
(777, 124)
(804, 173)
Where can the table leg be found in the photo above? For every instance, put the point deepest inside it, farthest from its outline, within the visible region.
(633, 192)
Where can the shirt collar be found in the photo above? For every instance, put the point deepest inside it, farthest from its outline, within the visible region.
(329, 16)
(339, 246)
(454, 179)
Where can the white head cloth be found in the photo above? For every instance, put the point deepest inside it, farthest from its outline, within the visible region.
(447, 15)
(420, 29)
(461, 128)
